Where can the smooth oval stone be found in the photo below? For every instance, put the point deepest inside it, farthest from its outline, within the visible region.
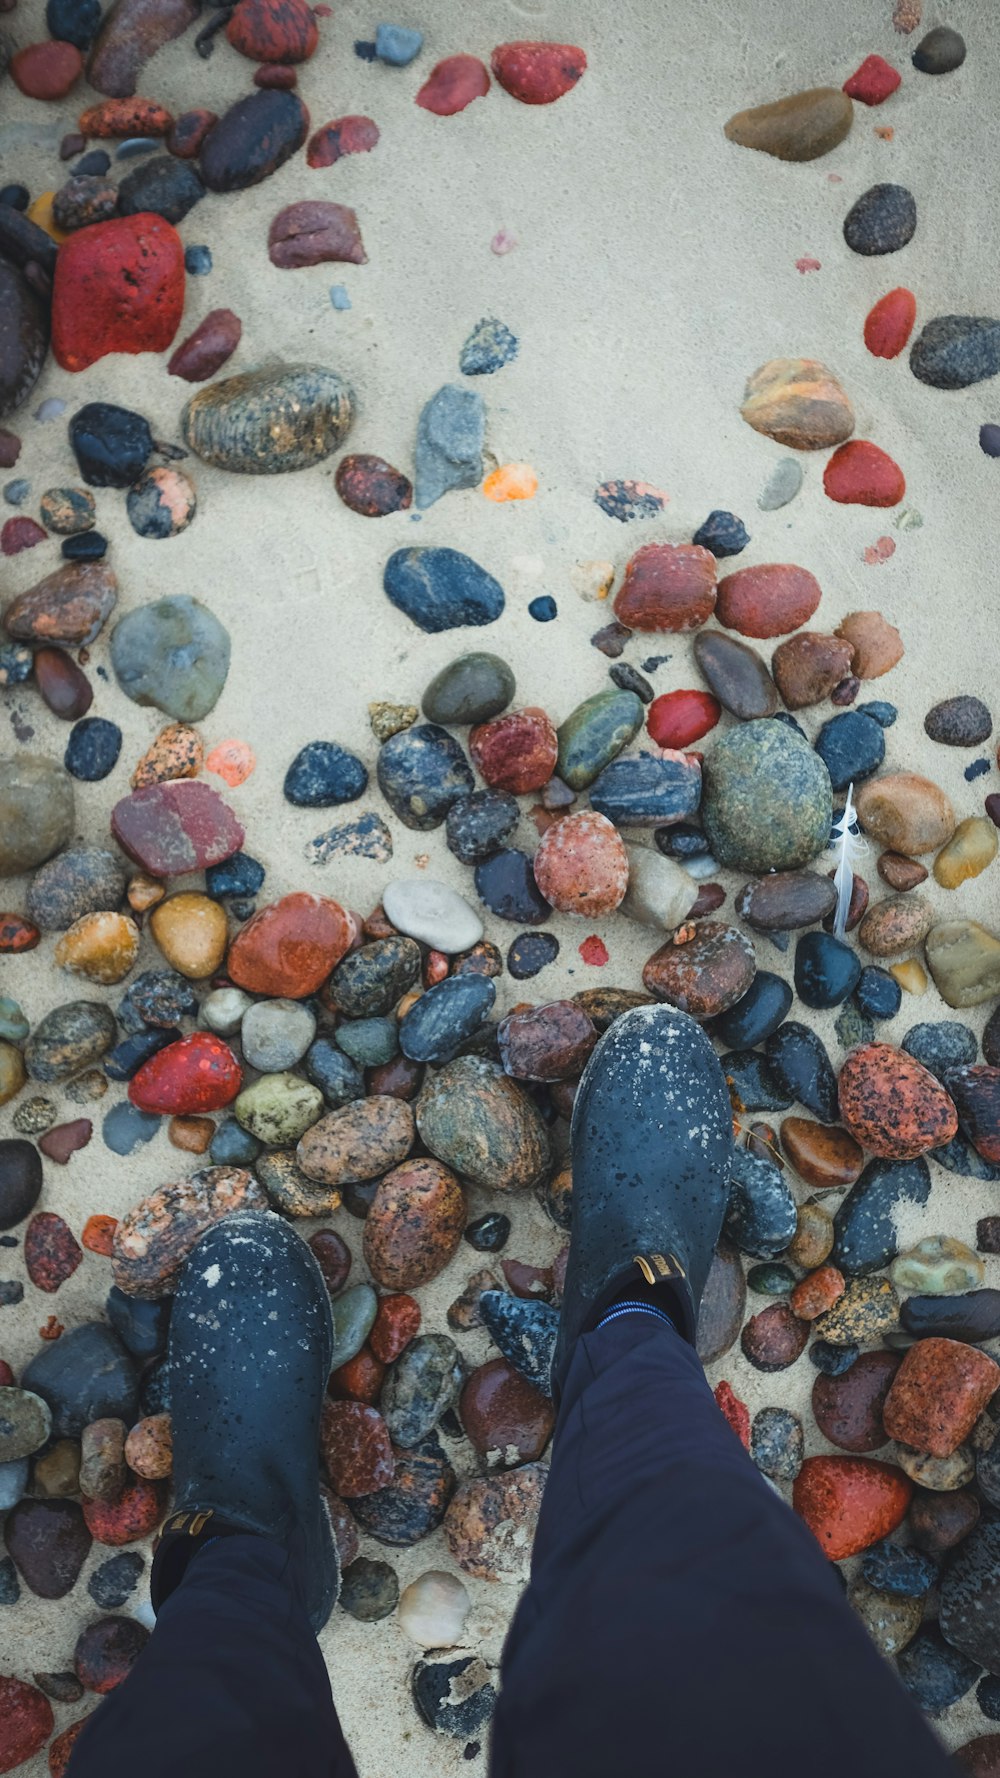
(935, 1674)
(37, 811)
(774, 1339)
(69, 1039)
(594, 733)
(413, 1504)
(643, 791)
(421, 1386)
(964, 959)
(878, 995)
(441, 589)
(445, 1017)
(112, 445)
(707, 974)
(974, 1316)
(491, 1522)
(941, 1046)
(369, 982)
(891, 1621)
(173, 654)
(940, 52)
(369, 1042)
(369, 1590)
(506, 1420)
(767, 802)
(777, 1444)
(720, 1314)
(421, 772)
(881, 220)
(479, 825)
(252, 139)
(954, 351)
(904, 1573)
(322, 774)
(269, 421)
(25, 1423)
(848, 1407)
(25, 339)
(823, 1157)
(49, 1542)
(357, 1141)
(798, 402)
(275, 1034)
(20, 1180)
(434, 913)
(760, 1214)
(164, 185)
(737, 676)
(353, 1315)
(892, 1104)
(801, 1067)
(799, 128)
(956, 722)
(506, 884)
(414, 1224)
(865, 1224)
(471, 689)
(92, 749)
(86, 1375)
(938, 1266)
(785, 900)
(972, 847)
(278, 1108)
(826, 970)
(659, 892)
(474, 1118)
(85, 880)
(433, 1610)
(851, 747)
(752, 1019)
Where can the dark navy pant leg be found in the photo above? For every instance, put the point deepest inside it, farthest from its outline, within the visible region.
(680, 1618)
(231, 1684)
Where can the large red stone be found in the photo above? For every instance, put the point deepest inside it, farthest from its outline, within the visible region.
(873, 81)
(344, 135)
(273, 30)
(51, 1251)
(889, 324)
(355, 1446)
(453, 84)
(680, 717)
(198, 1073)
(119, 287)
(516, 751)
(769, 600)
(892, 1104)
(175, 827)
(859, 474)
(938, 1394)
(289, 949)
(581, 865)
(46, 70)
(26, 1721)
(848, 1409)
(206, 349)
(133, 1516)
(538, 73)
(849, 1503)
(360, 1379)
(667, 586)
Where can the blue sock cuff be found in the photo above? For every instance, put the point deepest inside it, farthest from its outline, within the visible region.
(633, 1308)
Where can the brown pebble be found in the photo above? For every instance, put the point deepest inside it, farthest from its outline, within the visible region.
(877, 645)
(900, 923)
(309, 232)
(906, 812)
(193, 1134)
(775, 1338)
(809, 666)
(821, 1154)
(901, 873)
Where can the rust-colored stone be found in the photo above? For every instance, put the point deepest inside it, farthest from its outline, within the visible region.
(549, 1042)
(822, 1154)
(667, 586)
(414, 1225)
(849, 1503)
(939, 1392)
(288, 949)
(355, 1447)
(133, 1516)
(490, 1524)
(516, 751)
(809, 666)
(768, 600)
(70, 606)
(877, 645)
(817, 1293)
(704, 975)
(360, 1140)
(892, 1104)
(51, 1251)
(152, 1242)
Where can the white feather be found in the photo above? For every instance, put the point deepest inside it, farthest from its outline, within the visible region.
(849, 849)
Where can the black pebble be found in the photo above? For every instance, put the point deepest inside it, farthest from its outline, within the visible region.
(20, 1180)
(879, 711)
(507, 885)
(86, 546)
(851, 747)
(752, 1019)
(800, 1065)
(878, 995)
(934, 1673)
(826, 970)
(93, 164)
(435, 1689)
(445, 1017)
(753, 1083)
(723, 533)
(865, 1238)
(92, 749)
(10, 1586)
(421, 773)
(630, 679)
(164, 185)
(73, 21)
(112, 445)
(833, 1361)
(116, 1580)
(480, 825)
(238, 875)
(525, 1332)
(882, 220)
(681, 840)
(15, 197)
(489, 1233)
(531, 952)
(959, 722)
(940, 52)
(141, 1326)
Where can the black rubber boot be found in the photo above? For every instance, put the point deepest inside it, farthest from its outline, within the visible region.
(652, 1153)
(251, 1336)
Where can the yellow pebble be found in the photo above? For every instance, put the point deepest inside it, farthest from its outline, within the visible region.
(592, 579)
(144, 892)
(103, 947)
(911, 976)
(512, 481)
(191, 931)
(407, 1001)
(12, 1072)
(40, 213)
(972, 847)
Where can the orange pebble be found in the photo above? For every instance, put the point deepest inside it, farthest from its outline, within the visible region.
(99, 1234)
(177, 752)
(232, 760)
(885, 130)
(53, 1329)
(40, 213)
(360, 1379)
(817, 1293)
(407, 1001)
(193, 1134)
(144, 892)
(512, 481)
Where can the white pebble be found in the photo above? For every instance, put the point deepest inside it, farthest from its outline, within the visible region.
(433, 1609)
(275, 1034)
(432, 912)
(222, 1011)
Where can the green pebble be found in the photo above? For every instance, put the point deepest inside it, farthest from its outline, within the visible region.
(594, 734)
(937, 1266)
(278, 1109)
(353, 1314)
(771, 1280)
(369, 1042)
(13, 1024)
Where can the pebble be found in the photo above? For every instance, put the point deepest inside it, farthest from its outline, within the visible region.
(538, 73)
(877, 645)
(969, 1595)
(594, 734)
(850, 1503)
(371, 486)
(25, 1423)
(113, 1583)
(92, 749)
(877, 995)
(722, 533)
(102, 1460)
(798, 403)
(208, 348)
(759, 1012)
(767, 802)
(49, 1543)
(767, 600)
(750, 1079)
(473, 1118)
(934, 1673)
(197, 261)
(421, 1386)
(449, 446)
(956, 722)
(706, 974)
(516, 752)
(760, 1215)
(659, 892)
(861, 474)
(313, 232)
(162, 503)
(799, 128)
(413, 1503)
(546, 1043)
(506, 884)
(323, 774)
(478, 826)
(252, 139)
(16, 664)
(70, 606)
(174, 654)
(906, 812)
(848, 1407)
(141, 1326)
(738, 678)
(889, 324)
(25, 341)
(976, 1092)
(776, 1443)
(269, 421)
(69, 1039)
(939, 1392)
(452, 85)
(506, 1419)
(85, 1375)
(491, 1521)
(455, 1698)
(781, 486)
(940, 52)
(287, 949)
(873, 82)
(826, 970)
(972, 847)
(974, 1316)
(891, 1622)
(111, 444)
(357, 1141)
(783, 901)
(667, 587)
(581, 865)
(901, 873)
(125, 1128)
(644, 791)
(941, 1046)
(172, 828)
(445, 1017)
(103, 947)
(421, 773)
(813, 1238)
(964, 959)
(720, 1315)
(36, 811)
(369, 1590)
(398, 45)
(471, 689)
(67, 692)
(132, 271)
(282, 31)
(851, 747)
(989, 439)
(774, 1339)
(882, 220)
(163, 186)
(275, 1034)
(354, 1314)
(414, 1225)
(433, 1609)
(939, 1521)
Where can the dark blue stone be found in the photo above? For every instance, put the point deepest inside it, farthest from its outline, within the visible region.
(232, 1146)
(92, 749)
(128, 1056)
(525, 1333)
(988, 1689)
(865, 1237)
(802, 1068)
(489, 347)
(197, 261)
(753, 1083)
(974, 1316)
(86, 546)
(905, 1573)
(10, 1586)
(339, 1079)
(164, 185)
(506, 883)
(934, 1673)
(642, 791)
(956, 350)
(833, 1361)
(681, 841)
(73, 21)
(481, 824)
(760, 1214)
(489, 1233)
(112, 445)
(17, 663)
(241, 907)
(941, 1045)
(364, 50)
(789, 721)
(543, 609)
(93, 163)
(826, 970)
(421, 773)
(851, 746)
(324, 773)
(115, 1580)
(723, 533)
(441, 589)
(157, 997)
(977, 769)
(881, 220)
(445, 1017)
(531, 952)
(15, 197)
(959, 1156)
(878, 994)
(880, 712)
(753, 1018)
(141, 1326)
(989, 441)
(238, 875)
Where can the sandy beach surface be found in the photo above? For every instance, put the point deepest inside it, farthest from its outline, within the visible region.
(654, 270)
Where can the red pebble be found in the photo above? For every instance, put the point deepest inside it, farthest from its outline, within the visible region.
(52, 1330)
(667, 586)
(452, 85)
(533, 1283)
(991, 805)
(333, 1256)
(26, 1721)
(734, 1411)
(849, 1503)
(435, 968)
(64, 687)
(360, 1379)
(198, 1073)
(859, 474)
(873, 81)
(769, 600)
(356, 1451)
(177, 826)
(889, 324)
(20, 534)
(276, 76)
(709, 897)
(134, 1515)
(287, 950)
(65, 1139)
(46, 70)
(345, 135)
(6, 1375)
(51, 1251)
(99, 1234)
(538, 73)
(125, 117)
(206, 349)
(105, 1652)
(189, 132)
(273, 30)
(594, 951)
(680, 717)
(62, 1747)
(396, 1323)
(516, 751)
(17, 934)
(10, 448)
(119, 287)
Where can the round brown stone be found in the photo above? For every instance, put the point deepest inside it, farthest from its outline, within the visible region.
(877, 645)
(809, 666)
(940, 1390)
(812, 1241)
(371, 486)
(848, 1409)
(705, 974)
(414, 1225)
(358, 1141)
(906, 812)
(106, 1651)
(939, 1522)
(549, 1042)
(581, 865)
(667, 586)
(900, 923)
(775, 1338)
(901, 873)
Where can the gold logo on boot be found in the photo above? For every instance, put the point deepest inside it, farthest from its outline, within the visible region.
(655, 1267)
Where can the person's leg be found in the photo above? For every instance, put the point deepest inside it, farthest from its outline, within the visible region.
(680, 1617)
(232, 1683)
